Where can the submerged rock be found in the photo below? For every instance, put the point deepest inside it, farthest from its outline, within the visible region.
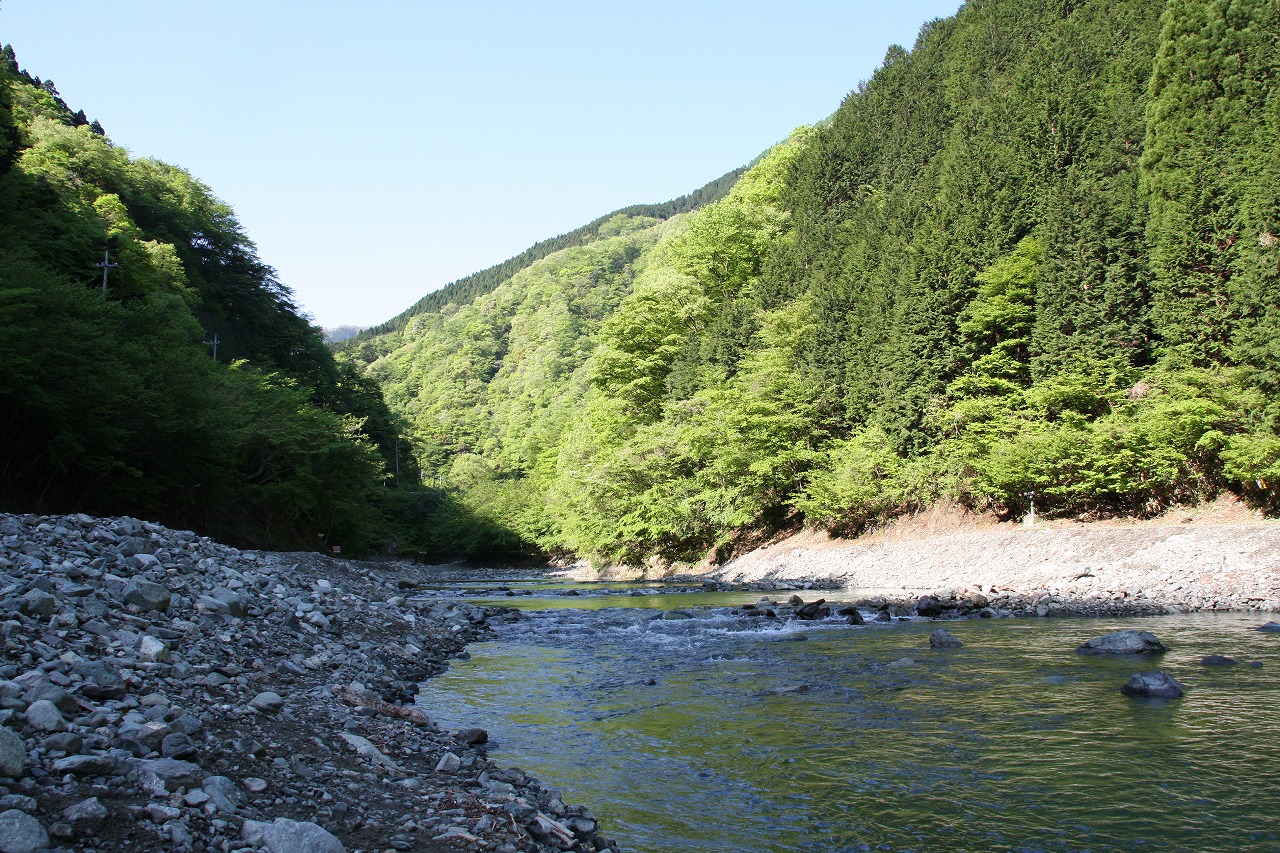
(1271, 627)
(1217, 660)
(1128, 642)
(1155, 685)
(944, 639)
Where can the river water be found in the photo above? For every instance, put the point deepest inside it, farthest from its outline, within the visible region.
(715, 733)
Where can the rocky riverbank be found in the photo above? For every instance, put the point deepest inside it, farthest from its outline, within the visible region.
(1060, 569)
(160, 691)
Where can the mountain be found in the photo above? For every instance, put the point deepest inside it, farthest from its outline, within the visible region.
(1034, 255)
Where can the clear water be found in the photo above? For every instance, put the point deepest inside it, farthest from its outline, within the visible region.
(718, 734)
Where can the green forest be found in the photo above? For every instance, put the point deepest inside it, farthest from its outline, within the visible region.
(111, 398)
(1038, 252)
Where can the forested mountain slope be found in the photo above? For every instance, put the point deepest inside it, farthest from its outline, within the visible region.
(111, 398)
(1037, 252)
(465, 290)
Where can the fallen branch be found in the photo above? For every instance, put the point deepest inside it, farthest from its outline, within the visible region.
(366, 699)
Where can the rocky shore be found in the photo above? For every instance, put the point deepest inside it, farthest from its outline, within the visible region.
(1071, 569)
(160, 691)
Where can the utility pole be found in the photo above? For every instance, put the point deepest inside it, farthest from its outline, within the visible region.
(213, 343)
(106, 266)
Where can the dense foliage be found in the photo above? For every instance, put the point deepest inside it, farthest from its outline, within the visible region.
(1037, 252)
(112, 400)
(465, 290)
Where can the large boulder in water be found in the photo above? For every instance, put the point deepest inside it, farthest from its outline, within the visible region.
(1154, 685)
(1270, 627)
(929, 605)
(1124, 643)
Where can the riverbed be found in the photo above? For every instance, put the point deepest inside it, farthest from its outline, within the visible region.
(720, 733)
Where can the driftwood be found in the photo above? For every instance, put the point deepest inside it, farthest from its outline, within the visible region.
(366, 699)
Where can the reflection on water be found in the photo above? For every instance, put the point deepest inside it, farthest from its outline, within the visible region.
(717, 734)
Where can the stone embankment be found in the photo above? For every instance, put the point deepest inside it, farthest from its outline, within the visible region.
(1044, 571)
(159, 691)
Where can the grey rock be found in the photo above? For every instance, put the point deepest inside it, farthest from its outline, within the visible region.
(85, 816)
(69, 743)
(61, 699)
(37, 602)
(21, 833)
(13, 754)
(448, 763)
(20, 802)
(100, 680)
(211, 604)
(1272, 627)
(153, 649)
(160, 775)
(1156, 685)
(224, 794)
(928, 605)
(44, 716)
(233, 601)
(268, 702)
(94, 764)
(147, 595)
(1128, 642)
(473, 736)
(254, 785)
(177, 745)
(283, 835)
(944, 639)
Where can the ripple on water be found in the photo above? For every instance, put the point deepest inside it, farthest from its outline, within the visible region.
(714, 734)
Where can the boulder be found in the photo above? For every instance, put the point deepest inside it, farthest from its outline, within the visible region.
(1272, 627)
(100, 680)
(225, 794)
(147, 595)
(37, 602)
(1128, 642)
(166, 775)
(98, 764)
(283, 835)
(928, 605)
(44, 716)
(944, 639)
(85, 816)
(1154, 685)
(21, 833)
(851, 615)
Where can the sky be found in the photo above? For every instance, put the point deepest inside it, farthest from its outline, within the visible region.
(377, 150)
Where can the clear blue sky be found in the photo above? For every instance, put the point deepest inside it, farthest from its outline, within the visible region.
(377, 150)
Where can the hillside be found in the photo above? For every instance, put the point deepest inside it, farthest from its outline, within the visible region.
(1035, 253)
(152, 363)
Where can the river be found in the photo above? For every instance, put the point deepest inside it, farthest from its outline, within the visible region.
(716, 734)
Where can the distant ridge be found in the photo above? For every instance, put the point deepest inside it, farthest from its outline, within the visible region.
(466, 290)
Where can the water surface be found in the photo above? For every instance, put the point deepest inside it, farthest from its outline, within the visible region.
(720, 734)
